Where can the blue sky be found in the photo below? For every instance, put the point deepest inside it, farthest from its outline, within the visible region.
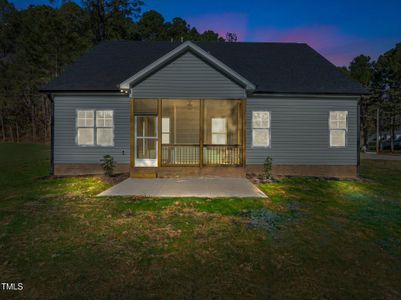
(338, 29)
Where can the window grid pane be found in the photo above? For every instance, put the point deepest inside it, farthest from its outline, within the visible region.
(81, 122)
(338, 120)
(85, 136)
(104, 136)
(89, 118)
(261, 119)
(166, 125)
(337, 138)
(165, 138)
(219, 125)
(84, 118)
(104, 118)
(261, 137)
(219, 139)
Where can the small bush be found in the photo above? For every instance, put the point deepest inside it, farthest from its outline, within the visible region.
(108, 165)
(267, 167)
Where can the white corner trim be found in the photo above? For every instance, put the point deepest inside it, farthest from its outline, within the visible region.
(126, 84)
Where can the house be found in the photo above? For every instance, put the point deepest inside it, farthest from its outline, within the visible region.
(205, 108)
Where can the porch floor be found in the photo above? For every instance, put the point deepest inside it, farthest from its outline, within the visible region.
(204, 187)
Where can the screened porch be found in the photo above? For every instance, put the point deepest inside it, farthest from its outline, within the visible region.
(188, 132)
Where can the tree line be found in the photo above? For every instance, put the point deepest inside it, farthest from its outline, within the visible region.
(380, 110)
(36, 44)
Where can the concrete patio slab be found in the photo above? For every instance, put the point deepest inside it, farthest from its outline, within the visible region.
(188, 187)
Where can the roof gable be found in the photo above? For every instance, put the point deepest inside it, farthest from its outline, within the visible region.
(177, 52)
(190, 77)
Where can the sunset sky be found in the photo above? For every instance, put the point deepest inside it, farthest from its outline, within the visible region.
(339, 29)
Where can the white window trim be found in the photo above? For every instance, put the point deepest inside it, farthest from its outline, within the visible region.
(94, 127)
(345, 129)
(269, 129)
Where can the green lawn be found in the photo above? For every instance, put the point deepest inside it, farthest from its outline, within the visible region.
(312, 239)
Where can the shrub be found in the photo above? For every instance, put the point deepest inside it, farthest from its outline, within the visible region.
(108, 165)
(267, 167)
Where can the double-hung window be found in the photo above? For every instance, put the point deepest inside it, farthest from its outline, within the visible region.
(261, 129)
(91, 132)
(338, 128)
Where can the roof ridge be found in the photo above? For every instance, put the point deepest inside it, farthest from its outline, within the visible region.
(203, 42)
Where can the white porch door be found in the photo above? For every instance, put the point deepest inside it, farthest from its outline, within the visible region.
(146, 141)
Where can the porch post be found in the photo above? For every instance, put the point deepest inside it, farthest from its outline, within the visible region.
(132, 143)
(243, 104)
(201, 120)
(159, 132)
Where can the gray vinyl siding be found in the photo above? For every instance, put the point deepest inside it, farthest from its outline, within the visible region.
(300, 131)
(188, 77)
(65, 148)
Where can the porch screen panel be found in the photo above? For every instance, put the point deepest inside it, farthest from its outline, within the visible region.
(182, 116)
(222, 112)
(180, 132)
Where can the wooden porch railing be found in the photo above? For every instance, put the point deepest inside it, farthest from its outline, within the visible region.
(180, 155)
(189, 155)
(222, 155)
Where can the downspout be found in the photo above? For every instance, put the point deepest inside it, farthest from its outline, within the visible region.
(358, 139)
(52, 134)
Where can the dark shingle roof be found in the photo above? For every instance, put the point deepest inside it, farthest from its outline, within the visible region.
(272, 67)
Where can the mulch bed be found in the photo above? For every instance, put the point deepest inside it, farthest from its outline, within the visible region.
(116, 178)
(258, 178)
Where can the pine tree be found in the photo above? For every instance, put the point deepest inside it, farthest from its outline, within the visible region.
(361, 69)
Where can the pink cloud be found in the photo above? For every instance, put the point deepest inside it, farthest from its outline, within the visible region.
(222, 23)
(336, 46)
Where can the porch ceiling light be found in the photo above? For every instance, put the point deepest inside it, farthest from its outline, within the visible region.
(189, 104)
